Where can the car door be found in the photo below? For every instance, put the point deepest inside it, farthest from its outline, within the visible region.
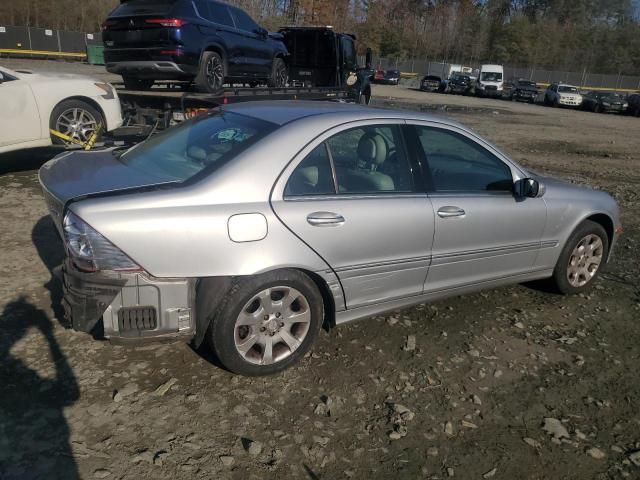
(482, 230)
(19, 120)
(351, 197)
(257, 51)
(219, 27)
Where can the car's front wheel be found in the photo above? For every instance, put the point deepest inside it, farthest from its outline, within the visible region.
(266, 322)
(581, 259)
(75, 119)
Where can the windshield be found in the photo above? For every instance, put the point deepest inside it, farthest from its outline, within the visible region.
(491, 76)
(567, 89)
(525, 83)
(204, 143)
(611, 97)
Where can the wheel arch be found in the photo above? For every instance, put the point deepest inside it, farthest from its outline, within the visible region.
(210, 291)
(84, 99)
(606, 222)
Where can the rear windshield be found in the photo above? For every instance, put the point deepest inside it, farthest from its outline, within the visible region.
(432, 77)
(198, 146)
(144, 7)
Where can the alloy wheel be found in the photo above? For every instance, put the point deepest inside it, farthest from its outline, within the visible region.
(77, 123)
(585, 260)
(272, 325)
(214, 73)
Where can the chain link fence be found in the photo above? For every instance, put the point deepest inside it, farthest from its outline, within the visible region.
(582, 79)
(29, 39)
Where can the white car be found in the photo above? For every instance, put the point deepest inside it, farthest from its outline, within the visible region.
(33, 103)
(562, 94)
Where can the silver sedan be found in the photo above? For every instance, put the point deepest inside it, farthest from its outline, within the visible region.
(254, 225)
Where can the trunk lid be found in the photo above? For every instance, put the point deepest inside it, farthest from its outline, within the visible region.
(77, 174)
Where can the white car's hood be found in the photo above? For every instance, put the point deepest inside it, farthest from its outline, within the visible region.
(37, 77)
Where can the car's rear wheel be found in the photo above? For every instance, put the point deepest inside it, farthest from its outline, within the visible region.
(75, 119)
(211, 74)
(131, 83)
(582, 258)
(266, 322)
(279, 74)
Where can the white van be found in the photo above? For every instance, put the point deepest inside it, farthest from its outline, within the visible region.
(490, 81)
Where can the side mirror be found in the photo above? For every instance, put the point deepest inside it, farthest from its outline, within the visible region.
(368, 59)
(528, 188)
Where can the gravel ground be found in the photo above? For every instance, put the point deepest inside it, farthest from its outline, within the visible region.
(514, 383)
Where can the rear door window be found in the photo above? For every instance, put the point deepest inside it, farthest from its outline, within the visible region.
(244, 21)
(144, 7)
(215, 12)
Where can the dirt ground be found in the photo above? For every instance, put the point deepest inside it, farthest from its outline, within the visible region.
(473, 395)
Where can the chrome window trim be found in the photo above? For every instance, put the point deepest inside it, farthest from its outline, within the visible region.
(377, 196)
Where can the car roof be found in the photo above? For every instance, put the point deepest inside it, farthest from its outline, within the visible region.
(282, 112)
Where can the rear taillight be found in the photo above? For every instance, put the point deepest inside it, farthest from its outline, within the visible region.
(171, 52)
(90, 251)
(166, 22)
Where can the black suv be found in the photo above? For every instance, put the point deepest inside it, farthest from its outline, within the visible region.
(204, 41)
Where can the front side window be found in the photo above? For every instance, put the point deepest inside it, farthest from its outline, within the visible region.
(458, 164)
(362, 160)
(202, 144)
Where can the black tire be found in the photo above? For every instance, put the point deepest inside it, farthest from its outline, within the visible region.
(211, 73)
(69, 108)
(222, 330)
(556, 103)
(364, 98)
(560, 280)
(131, 83)
(279, 74)
(598, 108)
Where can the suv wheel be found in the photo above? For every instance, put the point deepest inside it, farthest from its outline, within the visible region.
(131, 83)
(210, 77)
(266, 322)
(582, 258)
(279, 74)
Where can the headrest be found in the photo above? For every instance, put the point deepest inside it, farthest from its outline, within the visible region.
(372, 149)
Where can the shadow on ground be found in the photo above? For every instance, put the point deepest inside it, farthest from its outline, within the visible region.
(34, 435)
(29, 159)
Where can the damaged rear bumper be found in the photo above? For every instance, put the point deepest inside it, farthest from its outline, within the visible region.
(129, 305)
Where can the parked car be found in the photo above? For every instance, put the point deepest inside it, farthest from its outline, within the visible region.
(33, 103)
(387, 77)
(431, 83)
(490, 81)
(204, 41)
(634, 104)
(378, 76)
(603, 102)
(560, 94)
(521, 90)
(255, 224)
(459, 83)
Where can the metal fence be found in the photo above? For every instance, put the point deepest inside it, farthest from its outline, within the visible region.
(46, 40)
(539, 75)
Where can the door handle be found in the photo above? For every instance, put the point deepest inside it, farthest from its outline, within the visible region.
(325, 219)
(450, 211)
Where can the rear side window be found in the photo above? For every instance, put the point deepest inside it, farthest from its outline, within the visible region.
(244, 21)
(215, 12)
(312, 176)
(144, 7)
(203, 144)
(458, 164)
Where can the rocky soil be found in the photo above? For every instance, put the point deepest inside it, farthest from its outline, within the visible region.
(515, 383)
